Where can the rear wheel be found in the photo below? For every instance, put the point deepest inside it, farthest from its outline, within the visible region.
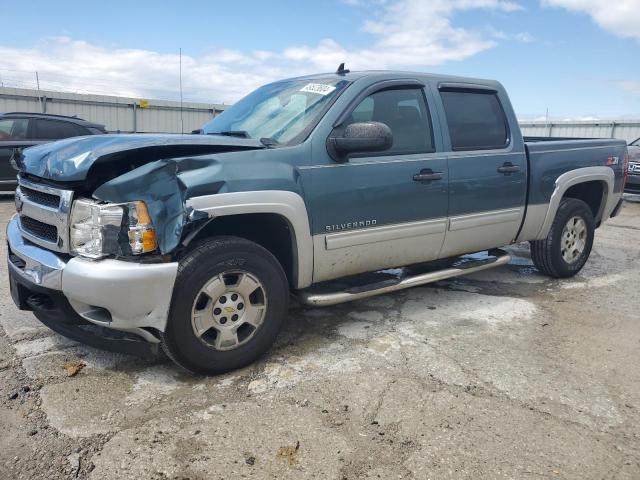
(228, 305)
(568, 245)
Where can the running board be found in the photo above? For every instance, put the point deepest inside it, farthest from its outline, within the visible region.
(401, 281)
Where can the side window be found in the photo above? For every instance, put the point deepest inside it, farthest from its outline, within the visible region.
(13, 128)
(55, 130)
(476, 119)
(404, 111)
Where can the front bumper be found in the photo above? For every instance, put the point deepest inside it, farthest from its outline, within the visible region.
(111, 293)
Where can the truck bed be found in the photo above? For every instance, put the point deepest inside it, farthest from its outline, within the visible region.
(551, 157)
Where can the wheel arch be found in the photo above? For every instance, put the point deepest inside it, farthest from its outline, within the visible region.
(593, 185)
(276, 220)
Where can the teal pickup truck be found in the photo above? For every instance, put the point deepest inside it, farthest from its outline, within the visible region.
(318, 186)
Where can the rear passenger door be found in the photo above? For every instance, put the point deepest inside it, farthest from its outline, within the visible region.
(487, 168)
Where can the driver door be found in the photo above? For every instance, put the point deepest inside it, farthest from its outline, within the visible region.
(378, 210)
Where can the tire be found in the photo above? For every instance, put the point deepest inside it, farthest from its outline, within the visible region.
(223, 264)
(562, 257)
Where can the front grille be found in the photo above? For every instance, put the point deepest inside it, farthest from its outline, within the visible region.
(39, 229)
(44, 214)
(41, 198)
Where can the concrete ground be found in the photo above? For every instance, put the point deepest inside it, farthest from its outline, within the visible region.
(503, 374)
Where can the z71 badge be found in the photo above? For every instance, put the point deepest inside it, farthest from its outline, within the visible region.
(350, 225)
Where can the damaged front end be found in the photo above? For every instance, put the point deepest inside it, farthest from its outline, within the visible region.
(98, 221)
(129, 198)
(156, 190)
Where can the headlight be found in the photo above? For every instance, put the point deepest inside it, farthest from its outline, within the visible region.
(100, 229)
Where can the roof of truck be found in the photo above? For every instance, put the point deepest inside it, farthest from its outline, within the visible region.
(393, 74)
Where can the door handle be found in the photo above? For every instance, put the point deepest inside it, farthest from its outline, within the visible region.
(427, 175)
(508, 168)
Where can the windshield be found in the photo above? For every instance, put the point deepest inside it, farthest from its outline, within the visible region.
(284, 112)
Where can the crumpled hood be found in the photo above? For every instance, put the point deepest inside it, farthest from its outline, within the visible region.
(71, 159)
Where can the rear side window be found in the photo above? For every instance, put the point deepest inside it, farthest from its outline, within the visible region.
(13, 128)
(55, 130)
(475, 118)
(405, 112)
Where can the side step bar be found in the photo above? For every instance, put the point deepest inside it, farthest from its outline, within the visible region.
(463, 267)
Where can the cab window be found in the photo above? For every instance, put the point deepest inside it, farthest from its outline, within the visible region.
(475, 118)
(405, 112)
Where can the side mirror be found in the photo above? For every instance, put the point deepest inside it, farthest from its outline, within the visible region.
(359, 137)
(197, 131)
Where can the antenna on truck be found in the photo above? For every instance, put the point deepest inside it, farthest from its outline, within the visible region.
(341, 70)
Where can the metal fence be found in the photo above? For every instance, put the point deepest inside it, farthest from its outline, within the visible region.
(152, 116)
(627, 130)
(117, 114)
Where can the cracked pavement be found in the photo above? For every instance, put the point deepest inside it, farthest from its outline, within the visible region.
(501, 374)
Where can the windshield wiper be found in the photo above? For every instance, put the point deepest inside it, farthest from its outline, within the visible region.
(266, 141)
(232, 133)
(269, 142)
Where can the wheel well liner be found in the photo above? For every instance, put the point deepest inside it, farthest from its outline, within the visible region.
(592, 193)
(269, 230)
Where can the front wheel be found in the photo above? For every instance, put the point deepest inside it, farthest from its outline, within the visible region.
(229, 302)
(568, 245)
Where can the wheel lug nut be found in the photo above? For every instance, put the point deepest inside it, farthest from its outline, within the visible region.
(234, 297)
(240, 306)
(234, 318)
(223, 299)
(223, 320)
(217, 311)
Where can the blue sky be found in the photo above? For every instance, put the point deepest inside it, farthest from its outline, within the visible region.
(577, 58)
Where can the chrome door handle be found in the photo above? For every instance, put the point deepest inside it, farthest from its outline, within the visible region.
(508, 168)
(427, 175)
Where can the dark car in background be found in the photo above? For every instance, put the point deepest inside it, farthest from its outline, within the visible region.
(21, 130)
(633, 180)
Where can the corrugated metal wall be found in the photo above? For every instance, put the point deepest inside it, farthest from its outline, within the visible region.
(139, 115)
(116, 113)
(627, 130)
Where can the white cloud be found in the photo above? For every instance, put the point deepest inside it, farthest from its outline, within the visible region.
(404, 34)
(523, 37)
(620, 17)
(630, 86)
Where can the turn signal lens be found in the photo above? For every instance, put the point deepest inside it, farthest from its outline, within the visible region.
(142, 235)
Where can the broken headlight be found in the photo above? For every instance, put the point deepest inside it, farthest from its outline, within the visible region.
(101, 229)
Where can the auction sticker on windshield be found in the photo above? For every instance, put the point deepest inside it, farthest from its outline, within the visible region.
(319, 88)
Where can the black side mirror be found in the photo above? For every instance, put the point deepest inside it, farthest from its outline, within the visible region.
(359, 137)
(197, 131)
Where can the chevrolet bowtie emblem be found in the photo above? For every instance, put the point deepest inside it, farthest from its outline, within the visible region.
(229, 309)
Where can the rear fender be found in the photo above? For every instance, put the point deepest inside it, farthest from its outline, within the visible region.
(574, 177)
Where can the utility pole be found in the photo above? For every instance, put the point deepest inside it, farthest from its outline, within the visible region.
(39, 96)
(181, 116)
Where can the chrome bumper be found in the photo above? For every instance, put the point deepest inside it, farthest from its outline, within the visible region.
(111, 293)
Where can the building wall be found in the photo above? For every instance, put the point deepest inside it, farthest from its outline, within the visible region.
(627, 130)
(162, 116)
(116, 113)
